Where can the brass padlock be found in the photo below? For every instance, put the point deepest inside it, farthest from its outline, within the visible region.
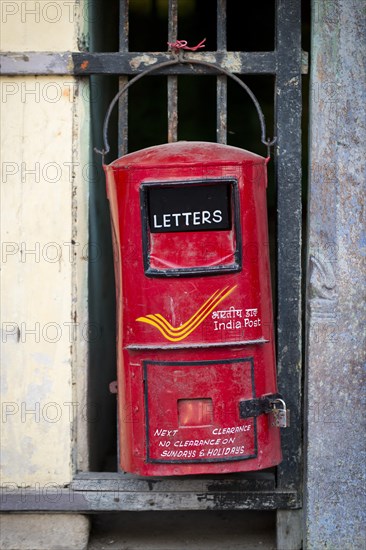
(280, 416)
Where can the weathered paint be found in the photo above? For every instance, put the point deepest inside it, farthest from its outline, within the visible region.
(334, 506)
(44, 276)
(130, 63)
(133, 62)
(115, 492)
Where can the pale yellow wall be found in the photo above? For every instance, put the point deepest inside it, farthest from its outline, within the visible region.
(42, 25)
(44, 194)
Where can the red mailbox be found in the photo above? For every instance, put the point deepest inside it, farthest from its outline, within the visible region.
(196, 366)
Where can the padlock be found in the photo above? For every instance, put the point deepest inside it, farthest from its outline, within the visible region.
(280, 416)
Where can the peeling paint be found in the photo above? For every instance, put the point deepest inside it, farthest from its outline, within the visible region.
(233, 63)
(144, 60)
(207, 56)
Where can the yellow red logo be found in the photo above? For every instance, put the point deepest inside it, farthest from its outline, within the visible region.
(176, 334)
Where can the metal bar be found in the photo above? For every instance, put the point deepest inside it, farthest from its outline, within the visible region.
(108, 481)
(129, 63)
(122, 127)
(221, 81)
(289, 222)
(123, 80)
(172, 80)
(221, 25)
(67, 500)
(123, 25)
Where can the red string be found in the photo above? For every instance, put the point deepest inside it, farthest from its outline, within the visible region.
(182, 45)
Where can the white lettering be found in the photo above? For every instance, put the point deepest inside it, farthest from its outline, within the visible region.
(176, 217)
(217, 216)
(206, 215)
(179, 454)
(166, 220)
(165, 433)
(156, 222)
(250, 323)
(196, 218)
(227, 451)
(233, 430)
(187, 216)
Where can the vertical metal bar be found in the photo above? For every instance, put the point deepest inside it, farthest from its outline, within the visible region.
(122, 130)
(289, 225)
(172, 80)
(123, 80)
(221, 81)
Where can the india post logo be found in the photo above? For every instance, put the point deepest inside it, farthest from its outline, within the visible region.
(176, 334)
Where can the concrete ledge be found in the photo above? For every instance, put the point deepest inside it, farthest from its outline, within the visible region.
(44, 532)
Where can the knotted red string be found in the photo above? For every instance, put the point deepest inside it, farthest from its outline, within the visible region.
(182, 45)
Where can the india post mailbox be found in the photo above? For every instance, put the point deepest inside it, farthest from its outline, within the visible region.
(196, 368)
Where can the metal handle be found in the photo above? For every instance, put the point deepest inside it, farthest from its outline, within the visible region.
(181, 60)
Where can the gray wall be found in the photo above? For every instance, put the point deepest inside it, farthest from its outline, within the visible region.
(335, 397)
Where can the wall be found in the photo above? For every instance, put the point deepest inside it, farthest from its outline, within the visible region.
(335, 359)
(44, 198)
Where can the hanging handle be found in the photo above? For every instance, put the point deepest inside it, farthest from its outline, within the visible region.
(180, 60)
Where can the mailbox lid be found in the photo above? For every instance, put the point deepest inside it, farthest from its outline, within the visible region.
(187, 152)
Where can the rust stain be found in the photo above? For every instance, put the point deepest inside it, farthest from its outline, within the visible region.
(84, 65)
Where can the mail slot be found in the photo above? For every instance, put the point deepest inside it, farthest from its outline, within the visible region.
(196, 364)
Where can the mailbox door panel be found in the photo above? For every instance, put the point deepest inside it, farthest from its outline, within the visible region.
(189, 417)
(193, 405)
